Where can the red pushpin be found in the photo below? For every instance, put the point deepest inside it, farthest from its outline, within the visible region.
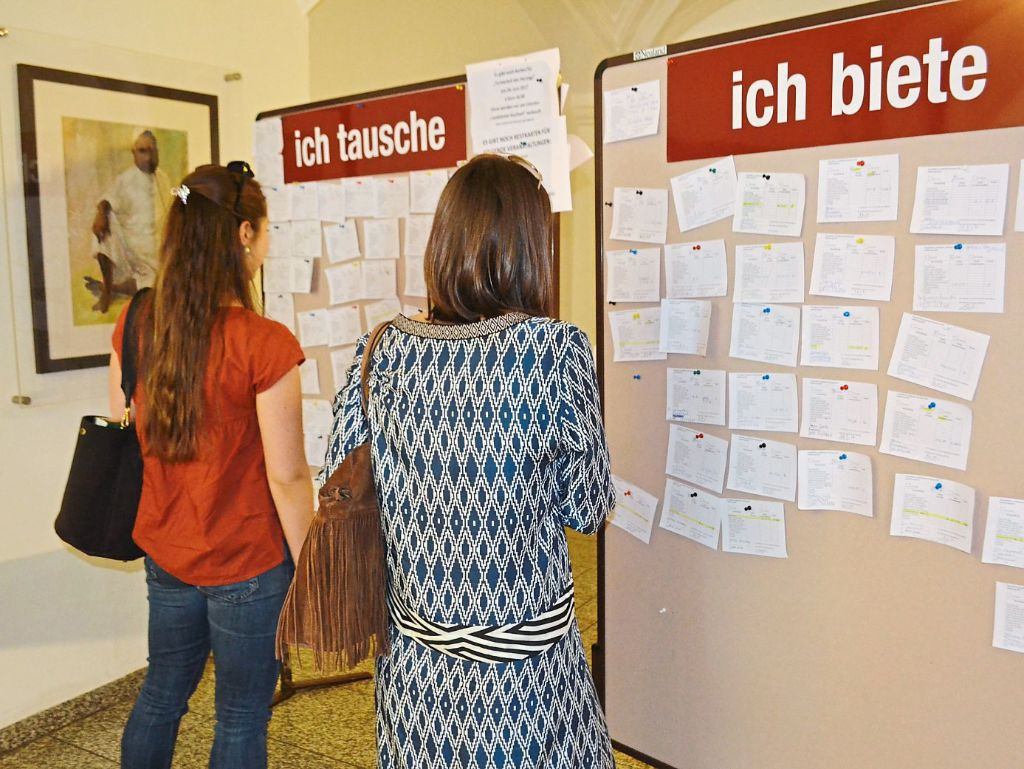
(698, 436)
(845, 387)
(697, 247)
(860, 162)
(627, 493)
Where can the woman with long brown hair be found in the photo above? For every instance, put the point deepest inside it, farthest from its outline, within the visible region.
(226, 497)
(486, 441)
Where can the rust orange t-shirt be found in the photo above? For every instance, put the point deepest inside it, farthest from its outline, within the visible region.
(212, 521)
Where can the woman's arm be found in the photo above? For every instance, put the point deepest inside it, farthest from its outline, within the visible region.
(279, 412)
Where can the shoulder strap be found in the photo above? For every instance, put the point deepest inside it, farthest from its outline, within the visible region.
(129, 348)
(367, 354)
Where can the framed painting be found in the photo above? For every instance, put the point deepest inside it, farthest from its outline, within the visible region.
(99, 159)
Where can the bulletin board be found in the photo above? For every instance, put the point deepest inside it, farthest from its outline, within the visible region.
(310, 149)
(860, 648)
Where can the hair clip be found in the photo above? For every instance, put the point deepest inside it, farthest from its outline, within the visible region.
(182, 193)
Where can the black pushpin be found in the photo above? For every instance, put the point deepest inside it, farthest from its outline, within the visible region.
(693, 495)
(748, 508)
(766, 176)
(762, 445)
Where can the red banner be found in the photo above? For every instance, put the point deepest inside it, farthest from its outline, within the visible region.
(407, 132)
(929, 70)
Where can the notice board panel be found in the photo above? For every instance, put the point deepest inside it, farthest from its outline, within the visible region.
(859, 649)
(375, 138)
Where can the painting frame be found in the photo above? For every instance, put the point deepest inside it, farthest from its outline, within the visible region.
(58, 344)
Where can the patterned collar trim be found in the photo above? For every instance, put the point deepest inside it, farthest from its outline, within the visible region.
(459, 330)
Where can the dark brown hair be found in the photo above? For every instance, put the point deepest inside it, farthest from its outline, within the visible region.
(202, 268)
(489, 251)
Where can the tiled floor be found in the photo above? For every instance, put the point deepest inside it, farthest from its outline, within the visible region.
(323, 728)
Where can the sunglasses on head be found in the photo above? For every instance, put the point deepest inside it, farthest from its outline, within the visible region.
(241, 171)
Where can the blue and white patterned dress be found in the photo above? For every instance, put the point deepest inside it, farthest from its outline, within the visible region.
(487, 441)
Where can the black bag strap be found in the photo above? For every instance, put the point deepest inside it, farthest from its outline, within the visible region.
(129, 352)
(367, 353)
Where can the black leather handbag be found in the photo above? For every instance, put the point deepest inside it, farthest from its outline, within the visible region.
(101, 498)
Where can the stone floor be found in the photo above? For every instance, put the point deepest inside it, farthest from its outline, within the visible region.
(321, 728)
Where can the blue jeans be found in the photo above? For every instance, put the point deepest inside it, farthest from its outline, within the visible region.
(237, 623)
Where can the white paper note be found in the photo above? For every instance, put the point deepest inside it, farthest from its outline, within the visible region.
(279, 205)
(926, 429)
(380, 239)
(632, 111)
(345, 325)
(634, 275)
(1008, 625)
(1004, 532)
(685, 325)
(314, 330)
(695, 395)
(331, 201)
(959, 277)
(425, 188)
(691, 513)
(840, 337)
(769, 203)
(304, 202)
(853, 266)
(838, 410)
(417, 231)
(392, 193)
(340, 362)
(937, 355)
(762, 466)
(696, 269)
(705, 195)
(345, 283)
(1018, 220)
(835, 480)
(279, 235)
(380, 311)
(306, 239)
(763, 402)
(379, 279)
(316, 416)
(934, 509)
(770, 273)
(342, 241)
(640, 215)
(696, 457)
(634, 509)
(360, 196)
(636, 334)
(280, 307)
(859, 189)
(754, 527)
(415, 283)
(960, 200)
(288, 276)
(765, 333)
(309, 377)
(315, 445)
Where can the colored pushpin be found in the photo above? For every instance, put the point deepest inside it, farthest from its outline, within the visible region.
(766, 176)
(696, 247)
(860, 163)
(938, 486)
(762, 446)
(842, 456)
(627, 493)
(766, 310)
(766, 377)
(633, 89)
(844, 388)
(613, 303)
(696, 372)
(693, 495)
(713, 170)
(636, 376)
(846, 313)
(748, 508)
(633, 251)
(639, 192)
(931, 405)
(636, 316)
(859, 241)
(767, 246)
(698, 436)
(959, 246)
(608, 204)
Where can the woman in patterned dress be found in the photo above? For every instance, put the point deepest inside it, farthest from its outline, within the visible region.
(487, 441)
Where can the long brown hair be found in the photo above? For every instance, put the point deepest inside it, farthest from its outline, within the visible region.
(489, 251)
(202, 268)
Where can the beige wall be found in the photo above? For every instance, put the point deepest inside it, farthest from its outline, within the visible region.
(356, 47)
(68, 625)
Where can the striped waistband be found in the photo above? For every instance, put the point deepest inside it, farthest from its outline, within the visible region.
(488, 643)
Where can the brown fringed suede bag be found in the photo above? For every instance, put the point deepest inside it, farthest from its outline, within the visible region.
(336, 604)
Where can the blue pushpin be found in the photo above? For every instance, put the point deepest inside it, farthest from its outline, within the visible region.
(959, 246)
(767, 309)
(765, 377)
(636, 376)
(842, 456)
(846, 313)
(931, 405)
(938, 486)
(633, 251)
(696, 372)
